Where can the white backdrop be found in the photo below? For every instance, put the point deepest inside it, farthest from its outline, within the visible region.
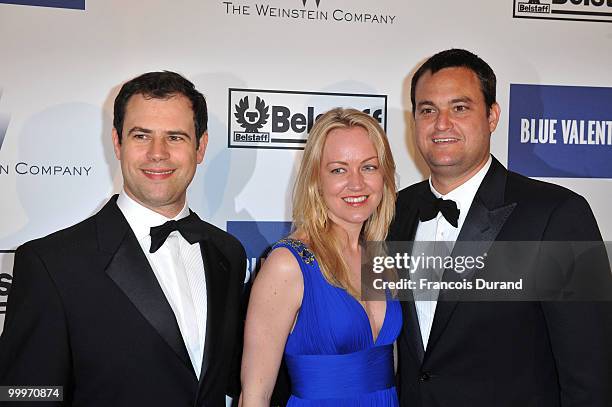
(61, 69)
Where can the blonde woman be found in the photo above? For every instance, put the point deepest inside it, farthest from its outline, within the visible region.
(306, 303)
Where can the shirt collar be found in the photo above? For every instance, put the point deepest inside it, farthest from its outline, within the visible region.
(464, 194)
(142, 219)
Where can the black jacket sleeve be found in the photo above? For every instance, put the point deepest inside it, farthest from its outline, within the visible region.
(580, 331)
(34, 346)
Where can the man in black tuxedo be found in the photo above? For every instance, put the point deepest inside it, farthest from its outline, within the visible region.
(139, 305)
(514, 353)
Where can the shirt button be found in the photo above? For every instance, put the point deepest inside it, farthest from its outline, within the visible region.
(425, 376)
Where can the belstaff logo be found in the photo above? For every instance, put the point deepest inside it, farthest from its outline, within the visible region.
(574, 10)
(534, 6)
(251, 120)
(282, 119)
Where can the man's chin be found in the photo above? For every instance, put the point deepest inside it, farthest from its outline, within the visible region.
(159, 202)
(443, 165)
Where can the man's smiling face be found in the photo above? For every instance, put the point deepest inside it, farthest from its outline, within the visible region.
(158, 151)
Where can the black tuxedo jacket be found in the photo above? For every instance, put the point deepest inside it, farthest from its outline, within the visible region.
(86, 312)
(510, 354)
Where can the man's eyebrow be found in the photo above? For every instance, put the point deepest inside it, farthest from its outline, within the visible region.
(425, 102)
(178, 133)
(463, 99)
(139, 130)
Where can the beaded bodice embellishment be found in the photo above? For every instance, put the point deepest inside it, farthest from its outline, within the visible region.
(305, 254)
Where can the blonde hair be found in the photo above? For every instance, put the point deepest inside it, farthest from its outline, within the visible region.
(311, 220)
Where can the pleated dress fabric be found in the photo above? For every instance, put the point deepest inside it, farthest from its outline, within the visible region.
(331, 355)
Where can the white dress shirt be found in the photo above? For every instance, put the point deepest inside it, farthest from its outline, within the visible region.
(179, 269)
(439, 230)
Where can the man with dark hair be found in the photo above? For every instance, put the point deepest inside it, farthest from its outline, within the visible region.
(459, 58)
(502, 354)
(161, 85)
(139, 305)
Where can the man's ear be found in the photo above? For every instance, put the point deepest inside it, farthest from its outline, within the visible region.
(116, 144)
(494, 113)
(202, 147)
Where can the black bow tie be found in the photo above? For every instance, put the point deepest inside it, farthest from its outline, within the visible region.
(189, 227)
(429, 206)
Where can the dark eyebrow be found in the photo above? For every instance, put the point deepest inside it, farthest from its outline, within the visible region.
(140, 130)
(178, 133)
(137, 129)
(464, 99)
(425, 102)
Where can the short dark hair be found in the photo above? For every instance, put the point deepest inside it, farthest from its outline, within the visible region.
(162, 85)
(459, 58)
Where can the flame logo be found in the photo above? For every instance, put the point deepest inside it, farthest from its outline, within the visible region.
(250, 120)
(316, 1)
(4, 122)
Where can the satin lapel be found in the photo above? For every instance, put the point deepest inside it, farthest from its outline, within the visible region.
(130, 270)
(479, 231)
(411, 329)
(407, 217)
(216, 268)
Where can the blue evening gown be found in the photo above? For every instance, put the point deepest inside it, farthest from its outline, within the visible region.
(331, 355)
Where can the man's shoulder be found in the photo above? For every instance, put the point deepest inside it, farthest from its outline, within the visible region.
(559, 212)
(68, 238)
(226, 242)
(76, 237)
(522, 188)
(408, 193)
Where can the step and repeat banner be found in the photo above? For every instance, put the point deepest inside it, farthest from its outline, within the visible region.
(268, 68)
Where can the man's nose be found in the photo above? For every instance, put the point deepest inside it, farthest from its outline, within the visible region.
(158, 150)
(443, 121)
